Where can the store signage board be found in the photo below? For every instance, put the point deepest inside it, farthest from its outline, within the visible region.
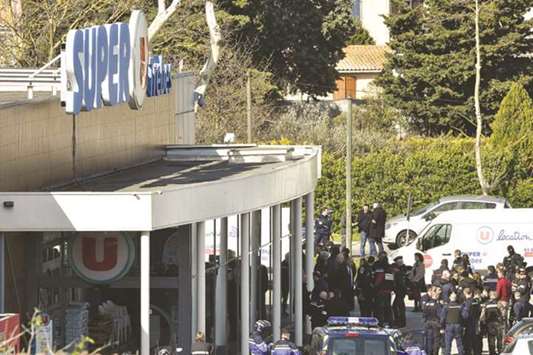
(108, 65)
(102, 257)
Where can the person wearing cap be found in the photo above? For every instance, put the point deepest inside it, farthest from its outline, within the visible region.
(399, 271)
(257, 343)
(452, 322)
(432, 309)
(447, 286)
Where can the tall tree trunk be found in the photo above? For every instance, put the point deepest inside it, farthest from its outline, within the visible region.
(479, 120)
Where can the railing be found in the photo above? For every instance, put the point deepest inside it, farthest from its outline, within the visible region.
(31, 80)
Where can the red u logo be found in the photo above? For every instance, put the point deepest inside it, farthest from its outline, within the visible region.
(109, 252)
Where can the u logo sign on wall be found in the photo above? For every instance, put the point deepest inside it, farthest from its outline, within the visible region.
(102, 257)
(485, 235)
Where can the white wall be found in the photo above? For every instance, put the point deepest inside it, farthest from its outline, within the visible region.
(372, 12)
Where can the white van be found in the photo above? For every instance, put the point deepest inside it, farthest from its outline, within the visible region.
(397, 228)
(482, 234)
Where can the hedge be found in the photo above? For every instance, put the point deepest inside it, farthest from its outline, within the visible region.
(428, 168)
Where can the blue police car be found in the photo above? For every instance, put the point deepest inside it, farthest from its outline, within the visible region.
(353, 336)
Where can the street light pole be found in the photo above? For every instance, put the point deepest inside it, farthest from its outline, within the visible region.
(348, 232)
(249, 105)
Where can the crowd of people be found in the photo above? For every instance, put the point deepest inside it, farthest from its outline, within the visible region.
(460, 305)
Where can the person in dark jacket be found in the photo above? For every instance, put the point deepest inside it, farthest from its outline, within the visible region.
(447, 286)
(383, 284)
(284, 346)
(512, 262)
(471, 315)
(364, 289)
(377, 226)
(432, 309)
(323, 227)
(493, 319)
(285, 283)
(318, 311)
(521, 308)
(491, 279)
(399, 271)
(452, 322)
(363, 224)
(335, 306)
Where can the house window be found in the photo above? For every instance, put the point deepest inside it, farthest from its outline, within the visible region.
(346, 87)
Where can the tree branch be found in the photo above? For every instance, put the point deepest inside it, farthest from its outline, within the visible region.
(215, 37)
(162, 16)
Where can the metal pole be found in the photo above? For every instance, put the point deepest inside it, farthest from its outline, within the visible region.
(292, 258)
(245, 281)
(255, 263)
(298, 272)
(276, 277)
(221, 292)
(145, 293)
(200, 275)
(310, 239)
(249, 105)
(2, 273)
(194, 280)
(349, 175)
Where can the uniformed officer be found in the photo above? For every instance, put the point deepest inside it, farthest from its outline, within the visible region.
(431, 311)
(400, 290)
(383, 284)
(200, 347)
(522, 283)
(364, 288)
(471, 313)
(512, 262)
(493, 318)
(447, 286)
(521, 308)
(451, 321)
(284, 346)
(490, 281)
(257, 343)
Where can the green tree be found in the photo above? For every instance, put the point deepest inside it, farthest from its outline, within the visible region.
(361, 35)
(430, 73)
(300, 40)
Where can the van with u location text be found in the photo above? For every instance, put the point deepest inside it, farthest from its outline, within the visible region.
(482, 234)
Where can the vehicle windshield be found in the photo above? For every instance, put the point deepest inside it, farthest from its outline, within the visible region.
(424, 209)
(358, 346)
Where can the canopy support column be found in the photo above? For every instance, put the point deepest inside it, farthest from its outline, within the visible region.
(276, 277)
(245, 281)
(145, 293)
(221, 291)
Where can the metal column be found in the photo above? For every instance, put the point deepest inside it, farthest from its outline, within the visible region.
(276, 277)
(194, 281)
(309, 239)
(298, 272)
(200, 275)
(2, 273)
(245, 281)
(292, 259)
(221, 292)
(145, 293)
(254, 264)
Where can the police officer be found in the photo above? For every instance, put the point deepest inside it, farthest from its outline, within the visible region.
(512, 262)
(200, 347)
(284, 346)
(493, 318)
(400, 290)
(257, 343)
(383, 284)
(490, 281)
(521, 308)
(447, 286)
(451, 321)
(364, 288)
(471, 314)
(432, 309)
(522, 283)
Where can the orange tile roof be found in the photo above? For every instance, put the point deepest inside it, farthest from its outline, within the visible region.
(362, 59)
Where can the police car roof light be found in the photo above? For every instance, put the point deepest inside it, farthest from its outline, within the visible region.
(364, 321)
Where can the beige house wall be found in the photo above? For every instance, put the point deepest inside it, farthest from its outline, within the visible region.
(42, 146)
